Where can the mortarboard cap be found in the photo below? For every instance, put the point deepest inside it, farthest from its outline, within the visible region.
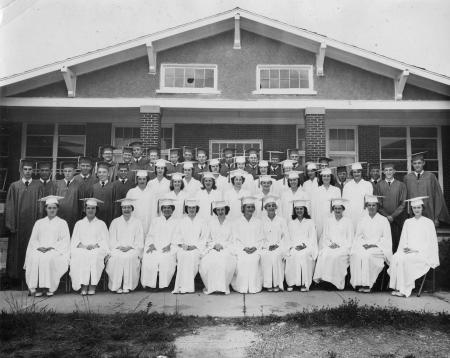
(191, 202)
(219, 204)
(176, 176)
(240, 159)
(368, 198)
(338, 201)
(356, 166)
(287, 163)
(51, 199)
(418, 156)
(166, 202)
(300, 202)
(311, 166)
(209, 175)
(270, 199)
(214, 162)
(126, 201)
(326, 171)
(341, 169)
(188, 165)
(161, 163)
(418, 200)
(92, 201)
(263, 163)
(237, 173)
(248, 200)
(141, 173)
(266, 178)
(294, 174)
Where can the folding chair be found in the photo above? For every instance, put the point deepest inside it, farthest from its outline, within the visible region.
(433, 282)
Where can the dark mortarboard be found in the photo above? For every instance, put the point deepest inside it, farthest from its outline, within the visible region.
(68, 165)
(107, 147)
(137, 143)
(325, 159)
(123, 166)
(417, 156)
(341, 169)
(127, 150)
(44, 165)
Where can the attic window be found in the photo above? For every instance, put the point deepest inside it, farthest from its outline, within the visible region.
(284, 79)
(188, 78)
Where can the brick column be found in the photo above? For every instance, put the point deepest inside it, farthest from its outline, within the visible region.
(369, 146)
(315, 134)
(151, 126)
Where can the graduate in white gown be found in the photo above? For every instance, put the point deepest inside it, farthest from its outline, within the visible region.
(159, 258)
(311, 183)
(276, 242)
(248, 238)
(126, 243)
(177, 194)
(320, 200)
(233, 196)
(222, 183)
(335, 246)
(218, 265)
(294, 192)
(48, 251)
(263, 191)
(262, 170)
(355, 191)
(372, 247)
(191, 240)
(282, 185)
(191, 185)
(88, 249)
(248, 183)
(417, 251)
(303, 249)
(207, 194)
(159, 186)
(142, 200)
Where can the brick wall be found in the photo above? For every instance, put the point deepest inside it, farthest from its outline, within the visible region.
(151, 126)
(369, 146)
(446, 162)
(315, 134)
(275, 137)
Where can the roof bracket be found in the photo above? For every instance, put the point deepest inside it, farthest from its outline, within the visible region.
(399, 84)
(151, 53)
(237, 32)
(320, 58)
(71, 81)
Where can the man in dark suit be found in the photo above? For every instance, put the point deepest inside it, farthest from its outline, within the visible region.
(139, 161)
(227, 164)
(252, 165)
(201, 165)
(374, 174)
(274, 164)
(341, 179)
(174, 165)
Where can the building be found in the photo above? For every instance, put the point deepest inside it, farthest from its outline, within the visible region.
(233, 79)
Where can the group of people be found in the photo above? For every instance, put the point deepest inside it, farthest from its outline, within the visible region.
(238, 221)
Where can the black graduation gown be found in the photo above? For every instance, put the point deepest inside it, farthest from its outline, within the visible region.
(69, 207)
(120, 191)
(104, 194)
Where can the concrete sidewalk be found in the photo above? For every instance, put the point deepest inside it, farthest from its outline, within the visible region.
(233, 305)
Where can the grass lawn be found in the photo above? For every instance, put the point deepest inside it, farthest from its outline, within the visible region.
(347, 331)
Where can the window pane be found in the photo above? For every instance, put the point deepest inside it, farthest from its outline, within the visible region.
(304, 83)
(209, 78)
(284, 74)
(294, 83)
(432, 165)
(265, 83)
(40, 129)
(72, 129)
(425, 145)
(423, 132)
(39, 146)
(265, 74)
(166, 138)
(393, 148)
(274, 83)
(304, 74)
(294, 74)
(189, 77)
(274, 74)
(393, 132)
(284, 83)
(71, 146)
(301, 138)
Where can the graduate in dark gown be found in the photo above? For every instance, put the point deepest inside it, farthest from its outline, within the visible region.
(48, 185)
(252, 166)
(275, 168)
(392, 205)
(121, 187)
(108, 157)
(174, 165)
(21, 212)
(227, 162)
(423, 183)
(103, 190)
(85, 178)
(201, 165)
(153, 154)
(138, 161)
(69, 207)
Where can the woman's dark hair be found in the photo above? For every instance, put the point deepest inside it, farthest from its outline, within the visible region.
(258, 171)
(232, 180)
(186, 209)
(243, 207)
(214, 186)
(332, 207)
(227, 210)
(171, 185)
(165, 171)
(171, 206)
(411, 215)
(45, 207)
(299, 181)
(220, 167)
(320, 181)
(305, 213)
(147, 177)
(97, 209)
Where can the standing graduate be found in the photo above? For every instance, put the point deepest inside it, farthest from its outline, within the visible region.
(227, 162)
(311, 183)
(45, 172)
(341, 179)
(248, 237)
(191, 241)
(201, 165)
(355, 191)
(127, 159)
(159, 259)
(417, 252)
(69, 189)
(177, 194)
(126, 243)
(153, 156)
(85, 178)
(219, 262)
(48, 251)
(335, 246)
(121, 187)
(88, 249)
(222, 183)
(392, 205)
(423, 183)
(103, 190)
(372, 247)
(159, 186)
(282, 185)
(207, 195)
(234, 195)
(252, 166)
(374, 175)
(107, 152)
(21, 212)
(274, 164)
(191, 185)
(143, 201)
(294, 192)
(139, 162)
(302, 250)
(174, 165)
(248, 183)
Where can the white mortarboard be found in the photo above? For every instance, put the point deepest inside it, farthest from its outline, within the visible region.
(237, 173)
(294, 174)
(248, 200)
(219, 204)
(126, 201)
(356, 166)
(92, 201)
(214, 161)
(311, 166)
(287, 163)
(240, 160)
(338, 201)
(270, 199)
(191, 202)
(141, 173)
(166, 202)
(161, 163)
(188, 165)
(265, 178)
(209, 175)
(300, 202)
(176, 176)
(372, 198)
(51, 199)
(263, 163)
(418, 200)
(325, 171)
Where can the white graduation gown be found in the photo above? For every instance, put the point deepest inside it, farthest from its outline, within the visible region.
(217, 267)
(44, 270)
(321, 205)
(280, 186)
(205, 202)
(331, 263)
(86, 266)
(158, 189)
(286, 202)
(248, 275)
(420, 235)
(125, 266)
(309, 186)
(355, 193)
(300, 263)
(192, 232)
(233, 198)
(161, 234)
(275, 233)
(222, 184)
(179, 198)
(192, 187)
(143, 202)
(249, 183)
(366, 265)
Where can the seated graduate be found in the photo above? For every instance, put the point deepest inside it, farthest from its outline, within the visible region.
(88, 249)
(248, 238)
(303, 249)
(207, 194)
(372, 247)
(177, 194)
(219, 263)
(126, 243)
(160, 248)
(191, 240)
(276, 241)
(335, 245)
(236, 193)
(417, 251)
(48, 251)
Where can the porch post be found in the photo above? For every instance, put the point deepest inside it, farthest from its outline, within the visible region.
(151, 126)
(315, 135)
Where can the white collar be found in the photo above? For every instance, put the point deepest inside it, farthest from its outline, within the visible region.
(70, 182)
(104, 182)
(124, 180)
(419, 173)
(85, 176)
(389, 181)
(44, 181)
(29, 180)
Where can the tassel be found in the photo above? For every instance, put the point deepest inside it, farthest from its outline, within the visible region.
(157, 209)
(211, 211)
(259, 183)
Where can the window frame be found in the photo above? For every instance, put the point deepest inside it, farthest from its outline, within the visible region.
(208, 90)
(305, 91)
(236, 141)
(302, 153)
(330, 153)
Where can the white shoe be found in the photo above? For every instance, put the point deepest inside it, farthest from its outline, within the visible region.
(91, 292)
(119, 290)
(276, 289)
(49, 294)
(290, 289)
(270, 289)
(125, 291)
(38, 294)
(303, 289)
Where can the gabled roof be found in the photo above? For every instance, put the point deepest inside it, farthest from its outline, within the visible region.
(150, 44)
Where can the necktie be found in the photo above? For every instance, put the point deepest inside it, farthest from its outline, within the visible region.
(418, 176)
(27, 183)
(123, 181)
(85, 178)
(68, 183)
(375, 182)
(389, 183)
(103, 184)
